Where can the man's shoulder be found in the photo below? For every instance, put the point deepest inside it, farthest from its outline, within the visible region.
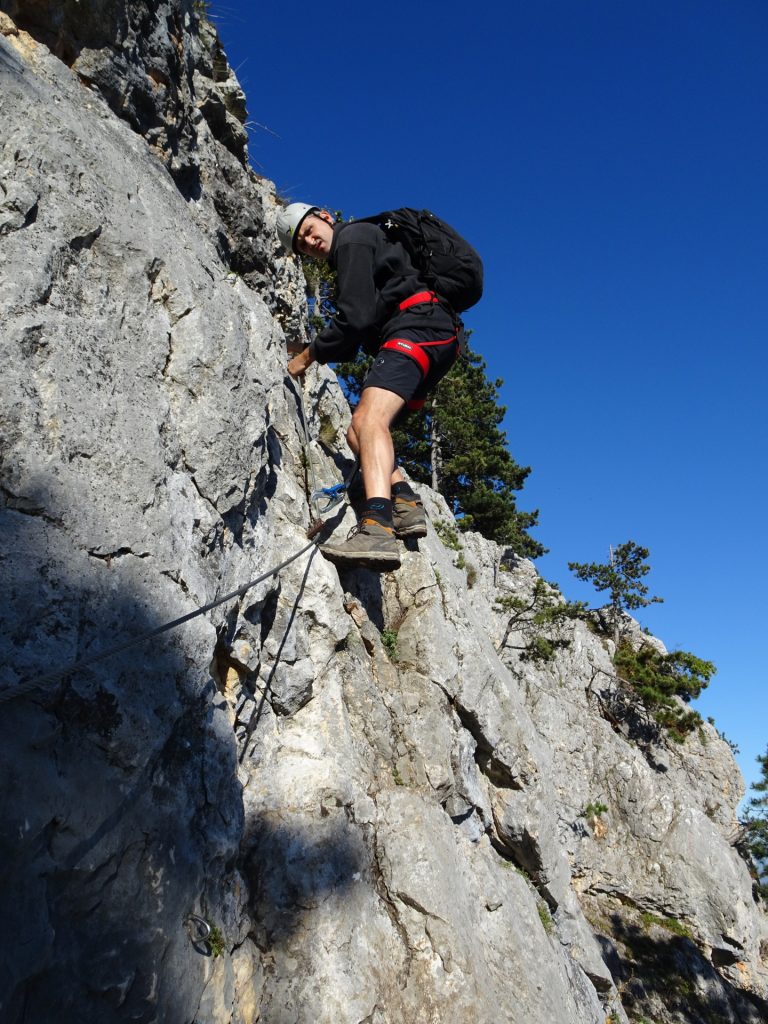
(361, 233)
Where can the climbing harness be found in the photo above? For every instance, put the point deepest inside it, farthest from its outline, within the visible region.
(415, 349)
(332, 495)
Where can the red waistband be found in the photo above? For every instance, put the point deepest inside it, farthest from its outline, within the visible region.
(418, 299)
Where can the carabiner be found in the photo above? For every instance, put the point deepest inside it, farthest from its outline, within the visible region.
(332, 495)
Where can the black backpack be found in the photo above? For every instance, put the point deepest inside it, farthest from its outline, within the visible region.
(448, 263)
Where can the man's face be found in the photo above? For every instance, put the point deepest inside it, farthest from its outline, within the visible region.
(315, 236)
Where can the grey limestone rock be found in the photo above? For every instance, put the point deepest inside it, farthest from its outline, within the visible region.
(335, 797)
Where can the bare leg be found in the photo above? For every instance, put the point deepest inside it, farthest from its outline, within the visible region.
(370, 439)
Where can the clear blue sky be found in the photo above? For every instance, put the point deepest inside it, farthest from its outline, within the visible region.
(610, 162)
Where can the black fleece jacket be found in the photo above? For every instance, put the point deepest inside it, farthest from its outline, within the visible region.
(373, 277)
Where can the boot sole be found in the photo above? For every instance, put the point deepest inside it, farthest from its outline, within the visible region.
(366, 559)
(411, 531)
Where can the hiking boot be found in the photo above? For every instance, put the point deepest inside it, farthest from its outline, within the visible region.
(368, 544)
(409, 518)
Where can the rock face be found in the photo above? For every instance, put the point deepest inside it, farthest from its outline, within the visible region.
(333, 798)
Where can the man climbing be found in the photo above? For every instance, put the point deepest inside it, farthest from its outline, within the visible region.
(385, 307)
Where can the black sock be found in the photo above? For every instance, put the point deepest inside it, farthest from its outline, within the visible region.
(403, 490)
(379, 509)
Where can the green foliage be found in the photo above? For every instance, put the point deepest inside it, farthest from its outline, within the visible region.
(594, 810)
(327, 434)
(389, 639)
(538, 619)
(460, 436)
(755, 825)
(545, 917)
(670, 924)
(658, 679)
(216, 941)
(448, 534)
(621, 577)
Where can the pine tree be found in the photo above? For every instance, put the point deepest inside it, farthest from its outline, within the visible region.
(538, 621)
(622, 578)
(647, 679)
(756, 828)
(660, 681)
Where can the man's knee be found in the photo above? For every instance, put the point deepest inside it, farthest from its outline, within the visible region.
(355, 423)
(377, 410)
(363, 418)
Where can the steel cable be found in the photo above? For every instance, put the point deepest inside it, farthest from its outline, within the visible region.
(26, 685)
(32, 684)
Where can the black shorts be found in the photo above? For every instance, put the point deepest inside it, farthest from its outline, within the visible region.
(413, 364)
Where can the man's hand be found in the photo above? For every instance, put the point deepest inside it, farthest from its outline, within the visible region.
(299, 363)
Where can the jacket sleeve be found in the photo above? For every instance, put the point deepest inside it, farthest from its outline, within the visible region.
(356, 316)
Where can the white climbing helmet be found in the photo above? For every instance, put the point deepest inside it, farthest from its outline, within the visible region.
(289, 220)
